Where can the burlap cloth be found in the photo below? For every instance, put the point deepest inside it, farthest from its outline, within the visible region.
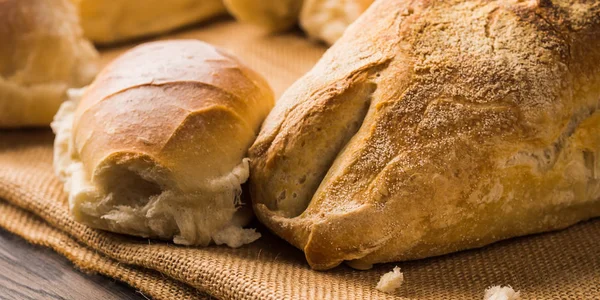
(557, 265)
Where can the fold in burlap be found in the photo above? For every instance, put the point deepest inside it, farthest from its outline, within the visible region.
(557, 265)
(36, 231)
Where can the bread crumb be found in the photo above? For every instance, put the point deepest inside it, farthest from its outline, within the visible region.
(390, 281)
(501, 293)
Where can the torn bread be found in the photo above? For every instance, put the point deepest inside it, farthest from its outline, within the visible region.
(391, 281)
(501, 293)
(155, 146)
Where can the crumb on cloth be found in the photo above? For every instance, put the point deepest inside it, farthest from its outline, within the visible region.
(390, 281)
(501, 293)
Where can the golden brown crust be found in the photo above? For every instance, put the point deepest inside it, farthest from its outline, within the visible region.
(478, 128)
(156, 146)
(132, 107)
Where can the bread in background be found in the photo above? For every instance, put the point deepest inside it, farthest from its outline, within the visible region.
(42, 54)
(326, 20)
(106, 22)
(156, 145)
(272, 15)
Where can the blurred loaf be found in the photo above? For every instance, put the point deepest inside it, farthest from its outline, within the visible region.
(106, 22)
(323, 20)
(272, 15)
(326, 20)
(42, 54)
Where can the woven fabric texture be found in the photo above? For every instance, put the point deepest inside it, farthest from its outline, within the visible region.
(556, 265)
(36, 231)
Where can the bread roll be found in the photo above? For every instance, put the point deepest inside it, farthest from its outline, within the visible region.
(155, 146)
(42, 53)
(326, 20)
(436, 126)
(106, 22)
(273, 15)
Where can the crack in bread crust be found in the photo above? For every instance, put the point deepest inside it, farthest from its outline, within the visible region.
(544, 159)
(348, 103)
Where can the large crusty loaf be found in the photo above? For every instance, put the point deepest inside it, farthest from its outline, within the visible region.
(42, 54)
(106, 22)
(326, 20)
(272, 15)
(436, 126)
(155, 146)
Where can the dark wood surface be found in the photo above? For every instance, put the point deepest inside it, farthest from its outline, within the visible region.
(33, 272)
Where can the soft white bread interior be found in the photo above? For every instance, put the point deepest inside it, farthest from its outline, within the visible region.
(501, 293)
(113, 21)
(155, 146)
(42, 54)
(391, 281)
(326, 20)
(273, 15)
(436, 126)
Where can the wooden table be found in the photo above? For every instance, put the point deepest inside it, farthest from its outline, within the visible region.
(33, 272)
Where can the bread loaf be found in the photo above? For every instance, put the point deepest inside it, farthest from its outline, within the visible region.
(323, 20)
(106, 22)
(42, 54)
(326, 20)
(436, 126)
(272, 15)
(155, 146)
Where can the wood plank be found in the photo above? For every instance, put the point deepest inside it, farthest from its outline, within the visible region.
(33, 272)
